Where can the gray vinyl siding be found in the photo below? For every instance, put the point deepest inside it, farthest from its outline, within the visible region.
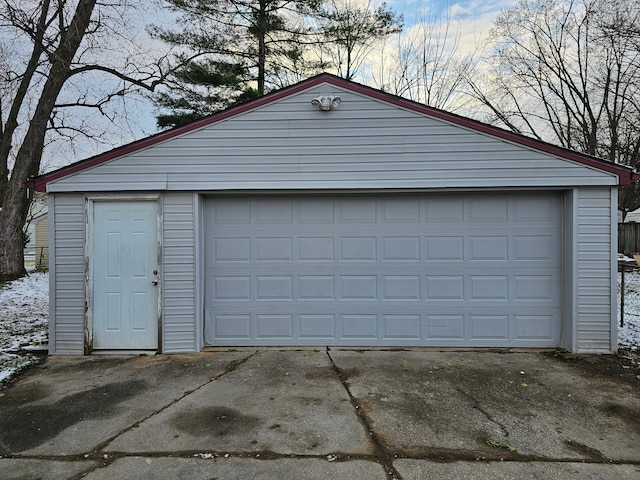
(67, 244)
(180, 330)
(595, 317)
(364, 143)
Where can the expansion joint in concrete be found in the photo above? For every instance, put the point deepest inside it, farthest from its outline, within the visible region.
(380, 453)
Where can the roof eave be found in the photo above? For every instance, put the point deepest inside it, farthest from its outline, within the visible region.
(625, 175)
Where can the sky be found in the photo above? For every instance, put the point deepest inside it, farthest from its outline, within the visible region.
(474, 18)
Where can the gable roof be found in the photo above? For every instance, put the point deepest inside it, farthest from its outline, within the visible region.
(625, 175)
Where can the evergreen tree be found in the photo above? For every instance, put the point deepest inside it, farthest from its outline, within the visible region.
(235, 50)
(352, 29)
(201, 88)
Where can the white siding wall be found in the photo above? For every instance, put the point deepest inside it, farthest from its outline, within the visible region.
(181, 329)
(594, 243)
(365, 143)
(66, 304)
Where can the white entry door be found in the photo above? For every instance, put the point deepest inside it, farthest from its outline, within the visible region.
(124, 265)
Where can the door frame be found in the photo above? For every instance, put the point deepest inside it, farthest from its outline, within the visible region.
(90, 201)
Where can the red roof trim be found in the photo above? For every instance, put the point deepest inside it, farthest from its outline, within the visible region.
(625, 174)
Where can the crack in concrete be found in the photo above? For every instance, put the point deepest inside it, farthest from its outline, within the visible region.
(592, 453)
(478, 406)
(380, 454)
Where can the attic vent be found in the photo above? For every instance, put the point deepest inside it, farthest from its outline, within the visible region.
(326, 102)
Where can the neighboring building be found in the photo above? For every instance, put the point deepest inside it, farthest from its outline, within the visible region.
(374, 222)
(41, 234)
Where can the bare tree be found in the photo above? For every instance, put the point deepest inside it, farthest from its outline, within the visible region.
(48, 47)
(568, 72)
(423, 64)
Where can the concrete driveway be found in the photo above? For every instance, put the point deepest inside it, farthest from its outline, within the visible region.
(318, 414)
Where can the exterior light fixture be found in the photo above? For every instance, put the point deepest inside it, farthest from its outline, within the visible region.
(326, 102)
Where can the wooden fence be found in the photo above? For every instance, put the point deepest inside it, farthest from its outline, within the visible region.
(628, 238)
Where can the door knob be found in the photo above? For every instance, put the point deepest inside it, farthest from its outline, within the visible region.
(155, 282)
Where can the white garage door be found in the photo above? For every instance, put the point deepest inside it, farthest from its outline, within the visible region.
(440, 270)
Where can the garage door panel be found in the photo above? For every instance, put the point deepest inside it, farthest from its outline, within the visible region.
(274, 287)
(493, 327)
(447, 248)
(413, 270)
(227, 327)
(401, 210)
(270, 249)
(534, 287)
(231, 288)
(359, 327)
(488, 287)
(235, 249)
(279, 212)
(358, 249)
(405, 327)
(274, 326)
(398, 329)
(493, 209)
(534, 327)
(401, 248)
(358, 287)
(231, 211)
(316, 287)
(445, 327)
(444, 287)
(316, 249)
(320, 327)
(534, 247)
(540, 209)
(448, 210)
(357, 211)
(489, 248)
(319, 211)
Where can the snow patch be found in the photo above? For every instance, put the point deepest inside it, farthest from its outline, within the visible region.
(24, 323)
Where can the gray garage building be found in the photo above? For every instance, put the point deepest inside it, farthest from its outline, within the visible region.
(330, 213)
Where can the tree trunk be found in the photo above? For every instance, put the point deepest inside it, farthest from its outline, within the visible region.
(27, 163)
(262, 45)
(11, 123)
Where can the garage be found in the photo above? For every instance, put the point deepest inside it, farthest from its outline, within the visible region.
(384, 270)
(329, 213)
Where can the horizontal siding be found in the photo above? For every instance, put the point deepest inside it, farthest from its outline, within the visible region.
(364, 143)
(594, 276)
(67, 313)
(179, 292)
(42, 242)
